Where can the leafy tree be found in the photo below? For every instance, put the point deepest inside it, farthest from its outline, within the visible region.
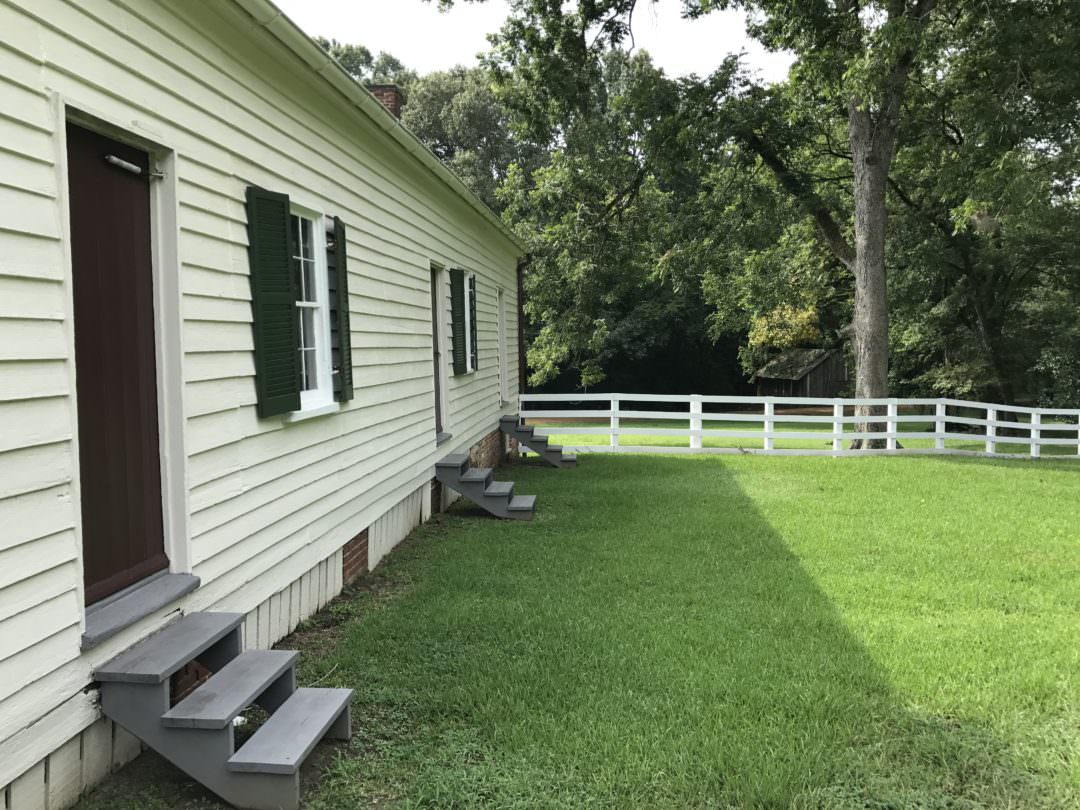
(597, 222)
(936, 140)
(457, 114)
(367, 68)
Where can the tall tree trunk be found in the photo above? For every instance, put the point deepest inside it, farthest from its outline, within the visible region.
(871, 149)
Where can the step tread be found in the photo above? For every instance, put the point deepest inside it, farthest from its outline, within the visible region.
(569, 458)
(455, 460)
(522, 503)
(499, 489)
(554, 448)
(285, 740)
(156, 658)
(230, 690)
(476, 475)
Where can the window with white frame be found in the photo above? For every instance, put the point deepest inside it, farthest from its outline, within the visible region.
(298, 261)
(470, 319)
(463, 322)
(313, 308)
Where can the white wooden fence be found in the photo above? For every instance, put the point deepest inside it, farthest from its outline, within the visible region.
(758, 420)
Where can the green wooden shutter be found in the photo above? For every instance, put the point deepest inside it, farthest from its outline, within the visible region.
(340, 332)
(273, 302)
(474, 352)
(457, 320)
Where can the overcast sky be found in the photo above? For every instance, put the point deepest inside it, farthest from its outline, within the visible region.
(425, 39)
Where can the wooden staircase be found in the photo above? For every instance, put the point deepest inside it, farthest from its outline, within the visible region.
(196, 733)
(551, 453)
(478, 485)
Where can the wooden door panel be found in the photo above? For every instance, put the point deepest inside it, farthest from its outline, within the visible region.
(115, 363)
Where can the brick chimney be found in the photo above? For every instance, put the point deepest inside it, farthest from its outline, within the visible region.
(390, 96)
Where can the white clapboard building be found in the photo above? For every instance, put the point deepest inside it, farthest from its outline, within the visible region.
(244, 313)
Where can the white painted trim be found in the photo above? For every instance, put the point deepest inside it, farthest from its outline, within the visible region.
(320, 398)
(312, 413)
(471, 351)
(168, 320)
(439, 320)
(168, 330)
(500, 325)
(59, 112)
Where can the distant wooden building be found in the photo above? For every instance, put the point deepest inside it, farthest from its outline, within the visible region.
(802, 373)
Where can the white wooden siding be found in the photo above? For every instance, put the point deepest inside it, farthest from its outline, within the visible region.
(266, 498)
(395, 525)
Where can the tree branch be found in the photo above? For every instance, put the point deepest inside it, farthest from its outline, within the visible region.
(809, 200)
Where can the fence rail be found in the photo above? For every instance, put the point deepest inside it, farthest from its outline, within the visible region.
(937, 425)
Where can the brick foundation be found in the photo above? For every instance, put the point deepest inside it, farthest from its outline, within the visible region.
(493, 450)
(354, 557)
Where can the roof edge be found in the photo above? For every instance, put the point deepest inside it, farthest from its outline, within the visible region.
(278, 24)
(825, 355)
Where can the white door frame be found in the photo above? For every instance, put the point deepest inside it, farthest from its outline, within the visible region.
(164, 247)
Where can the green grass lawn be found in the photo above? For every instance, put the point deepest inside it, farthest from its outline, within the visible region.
(712, 631)
(977, 442)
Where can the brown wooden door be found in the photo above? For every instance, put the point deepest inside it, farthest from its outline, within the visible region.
(115, 370)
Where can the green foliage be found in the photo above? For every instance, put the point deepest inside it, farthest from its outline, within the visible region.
(785, 327)
(368, 68)
(457, 114)
(661, 210)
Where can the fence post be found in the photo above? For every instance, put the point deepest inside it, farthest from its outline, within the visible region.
(1036, 434)
(614, 423)
(695, 421)
(939, 426)
(991, 430)
(838, 425)
(891, 410)
(769, 411)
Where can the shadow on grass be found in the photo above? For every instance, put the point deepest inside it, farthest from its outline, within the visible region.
(631, 648)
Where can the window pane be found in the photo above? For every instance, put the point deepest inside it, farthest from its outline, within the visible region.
(307, 328)
(294, 224)
(307, 281)
(305, 238)
(310, 379)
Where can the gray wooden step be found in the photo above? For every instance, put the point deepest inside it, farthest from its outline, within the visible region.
(535, 442)
(159, 656)
(522, 503)
(456, 461)
(499, 489)
(476, 475)
(230, 690)
(285, 740)
(512, 424)
(569, 459)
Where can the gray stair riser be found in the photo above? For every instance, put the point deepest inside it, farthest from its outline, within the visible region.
(286, 739)
(265, 677)
(213, 641)
(203, 753)
(538, 444)
(475, 492)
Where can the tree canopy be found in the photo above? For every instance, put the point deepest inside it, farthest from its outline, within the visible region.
(909, 192)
